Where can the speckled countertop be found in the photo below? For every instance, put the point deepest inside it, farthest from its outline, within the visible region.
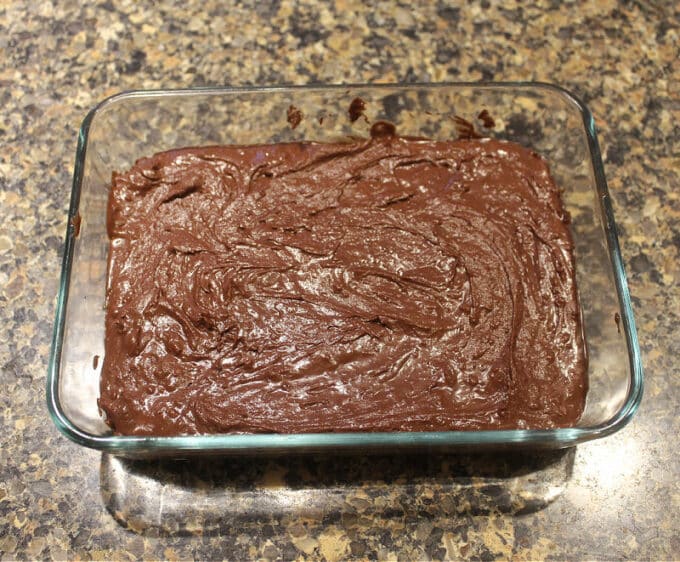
(618, 498)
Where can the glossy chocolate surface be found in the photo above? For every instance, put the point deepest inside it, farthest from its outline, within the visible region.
(390, 284)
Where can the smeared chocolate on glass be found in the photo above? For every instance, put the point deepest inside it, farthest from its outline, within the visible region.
(390, 284)
(294, 116)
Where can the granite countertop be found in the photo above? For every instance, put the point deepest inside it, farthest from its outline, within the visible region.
(617, 498)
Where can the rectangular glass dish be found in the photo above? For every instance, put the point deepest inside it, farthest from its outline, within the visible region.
(542, 117)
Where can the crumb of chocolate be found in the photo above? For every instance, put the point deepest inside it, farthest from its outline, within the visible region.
(465, 129)
(95, 362)
(294, 116)
(75, 223)
(356, 109)
(383, 129)
(486, 119)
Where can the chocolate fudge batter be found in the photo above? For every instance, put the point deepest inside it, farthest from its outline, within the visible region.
(390, 284)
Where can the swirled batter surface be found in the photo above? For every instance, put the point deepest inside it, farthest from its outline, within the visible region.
(390, 284)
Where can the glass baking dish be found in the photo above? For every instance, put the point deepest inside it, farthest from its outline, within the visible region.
(543, 117)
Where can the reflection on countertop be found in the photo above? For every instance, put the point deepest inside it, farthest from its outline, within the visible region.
(176, 497)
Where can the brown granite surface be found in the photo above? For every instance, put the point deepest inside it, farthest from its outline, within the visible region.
(612, 499)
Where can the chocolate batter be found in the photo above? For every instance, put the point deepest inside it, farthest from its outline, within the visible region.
(390, 284)
(356, 109)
